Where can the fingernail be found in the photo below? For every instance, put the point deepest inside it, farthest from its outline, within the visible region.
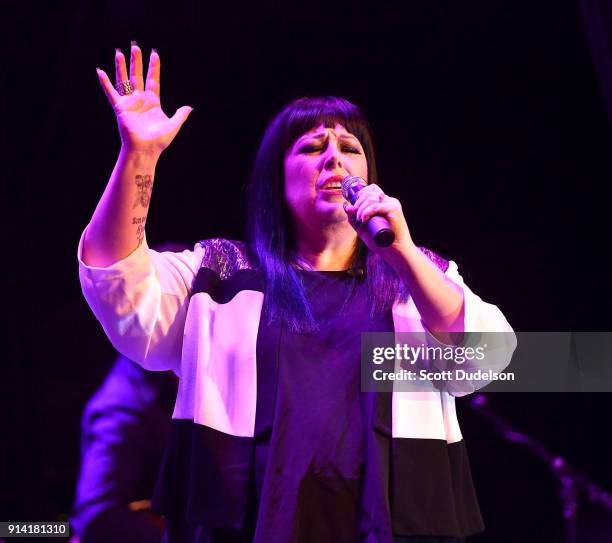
(118, 51)
(133, 43)
(154, 51)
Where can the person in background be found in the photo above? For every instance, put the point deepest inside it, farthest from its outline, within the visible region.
(124, 431)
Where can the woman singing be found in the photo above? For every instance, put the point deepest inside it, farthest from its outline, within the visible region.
(273, 440)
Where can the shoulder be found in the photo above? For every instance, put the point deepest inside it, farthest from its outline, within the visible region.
(439, 261)
(225, 256)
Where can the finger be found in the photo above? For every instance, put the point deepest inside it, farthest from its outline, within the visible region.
(362, 201)
(107, 86)
(389, 208)
(136, 67)
(368, 211)
(120, 69)
(180, 117)
(350, 213)
(372, 191)
(153, 72)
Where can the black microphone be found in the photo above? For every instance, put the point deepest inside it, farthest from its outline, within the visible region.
(377, 226)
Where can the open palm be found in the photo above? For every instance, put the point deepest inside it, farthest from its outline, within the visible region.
(143, 125)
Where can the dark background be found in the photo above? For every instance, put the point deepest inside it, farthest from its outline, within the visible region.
(489, 125)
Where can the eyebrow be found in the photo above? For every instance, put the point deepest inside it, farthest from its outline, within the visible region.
(321, 135)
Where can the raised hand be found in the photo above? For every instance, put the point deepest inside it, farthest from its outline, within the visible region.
(143, 125)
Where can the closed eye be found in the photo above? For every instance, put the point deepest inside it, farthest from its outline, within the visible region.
(309, 149)
(345, 149)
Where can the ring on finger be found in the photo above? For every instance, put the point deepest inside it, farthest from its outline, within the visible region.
(124, 87)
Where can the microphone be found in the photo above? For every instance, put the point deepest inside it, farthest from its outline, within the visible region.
(377, 226)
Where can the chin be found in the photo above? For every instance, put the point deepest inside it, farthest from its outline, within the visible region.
(333, 213)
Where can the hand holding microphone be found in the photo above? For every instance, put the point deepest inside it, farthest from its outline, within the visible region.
(378, 226)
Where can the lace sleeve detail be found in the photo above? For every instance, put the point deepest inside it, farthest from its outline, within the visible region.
(442, 263)
(225, 257)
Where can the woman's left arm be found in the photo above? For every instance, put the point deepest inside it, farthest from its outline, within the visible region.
(438, 299)
(446, 305)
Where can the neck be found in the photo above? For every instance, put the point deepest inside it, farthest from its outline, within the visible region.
(329, 249)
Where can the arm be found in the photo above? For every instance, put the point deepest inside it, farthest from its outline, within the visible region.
(141, 302)
(439, 300)
(444, 303)
(139, 296)
(117, 226)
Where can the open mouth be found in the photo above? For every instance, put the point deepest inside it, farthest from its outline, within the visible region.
(333, 184)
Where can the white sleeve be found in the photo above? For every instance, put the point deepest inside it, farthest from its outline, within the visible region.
(141, 302)
(479, 316)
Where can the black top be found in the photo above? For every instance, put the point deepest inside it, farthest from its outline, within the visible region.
(315, 460)
(321, 465)
(315, 472)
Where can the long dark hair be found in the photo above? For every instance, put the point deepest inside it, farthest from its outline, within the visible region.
(270, 228)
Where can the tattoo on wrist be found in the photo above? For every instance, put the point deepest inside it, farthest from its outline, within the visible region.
(140, 221)
(144, 183)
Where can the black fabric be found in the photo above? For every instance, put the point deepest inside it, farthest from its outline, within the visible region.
(322, 465)
(267, 355)
(120, 525)
(223, 290)
(205, 477)
(432, 502)
(313, 485)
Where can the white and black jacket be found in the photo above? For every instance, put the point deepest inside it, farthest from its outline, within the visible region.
(197, 313)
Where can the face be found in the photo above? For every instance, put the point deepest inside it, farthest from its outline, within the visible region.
(315, 164)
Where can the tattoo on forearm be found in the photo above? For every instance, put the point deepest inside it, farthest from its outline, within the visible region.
(140, 221)
(144, 183)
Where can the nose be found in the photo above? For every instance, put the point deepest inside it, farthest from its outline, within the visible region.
(333, 157)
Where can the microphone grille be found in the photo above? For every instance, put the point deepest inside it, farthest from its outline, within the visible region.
(350, 181)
